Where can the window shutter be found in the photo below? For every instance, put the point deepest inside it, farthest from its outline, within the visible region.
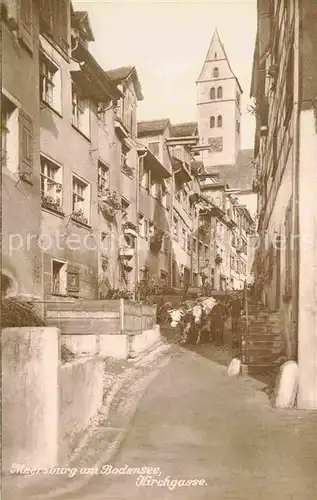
(73, 281)
(25, 147)
(26, 23)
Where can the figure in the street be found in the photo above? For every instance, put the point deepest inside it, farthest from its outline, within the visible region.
(218, 323)
(236, 309)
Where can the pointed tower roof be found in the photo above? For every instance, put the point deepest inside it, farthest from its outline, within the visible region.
(216, 52)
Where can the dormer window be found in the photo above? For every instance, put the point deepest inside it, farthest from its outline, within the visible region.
(212, 94)
(216, 73)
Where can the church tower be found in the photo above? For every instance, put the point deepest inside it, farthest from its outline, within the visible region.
(218, 107)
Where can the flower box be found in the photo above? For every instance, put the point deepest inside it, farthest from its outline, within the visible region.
(126, 252)
(79, 216)
(52, 204)
(106, 210)
(129, 228)
(129, 171)
(110, 198)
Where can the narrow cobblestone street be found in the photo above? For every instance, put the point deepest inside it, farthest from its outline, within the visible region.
(195, 422)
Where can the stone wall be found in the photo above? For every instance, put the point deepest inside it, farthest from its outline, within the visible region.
(80, 396)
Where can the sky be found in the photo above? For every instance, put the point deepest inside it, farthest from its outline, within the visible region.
(167, 42)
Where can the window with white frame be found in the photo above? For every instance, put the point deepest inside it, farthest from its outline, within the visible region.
(9, 134)
(59, 277)
(103, 177)
(81, 199)
(50, 84)
(51, 184)
(80, 111)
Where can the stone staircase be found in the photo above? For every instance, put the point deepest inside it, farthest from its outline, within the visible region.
(263, 343)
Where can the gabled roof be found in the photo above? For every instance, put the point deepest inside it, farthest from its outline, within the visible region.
(184, 129)
(152, 127)
(81, 19)
(239, 176)
(119, 75)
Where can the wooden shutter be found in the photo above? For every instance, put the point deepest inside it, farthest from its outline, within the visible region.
(73, 281)
(60, 28)
(26, 23)
(25, 147)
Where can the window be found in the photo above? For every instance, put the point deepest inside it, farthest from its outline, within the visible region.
(216, 55)
(238, 98)
(81, 200)
(80, 112)
(59, 277)
(51, 184)
(9, 135)
(194, 246)
(54, 21)
(124, 209)
(145, 273)
(212, 93)
(219, 121)
(183, 242)
(50, 84)
(103, 176)
(102, 113)
(238, 126)
(189, 243)
(212, 122)
(154, 147)
(142, 226)
(175, 227)
(216, 73)
(26, 23)
(219, 93)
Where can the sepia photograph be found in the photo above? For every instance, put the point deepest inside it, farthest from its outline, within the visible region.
(158, 249)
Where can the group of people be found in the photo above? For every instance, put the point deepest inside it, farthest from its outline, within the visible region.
(199, 324)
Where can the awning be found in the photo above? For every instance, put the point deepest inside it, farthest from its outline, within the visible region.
(182, 173)
(92, 79)
(157, 168)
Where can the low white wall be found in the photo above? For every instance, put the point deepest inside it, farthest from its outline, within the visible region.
(80, 393)
(114, 346)
(145, 340)
(81, 344)
(30, 359)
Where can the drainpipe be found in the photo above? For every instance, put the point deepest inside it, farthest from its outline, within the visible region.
(295, 182)
(137, 200)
